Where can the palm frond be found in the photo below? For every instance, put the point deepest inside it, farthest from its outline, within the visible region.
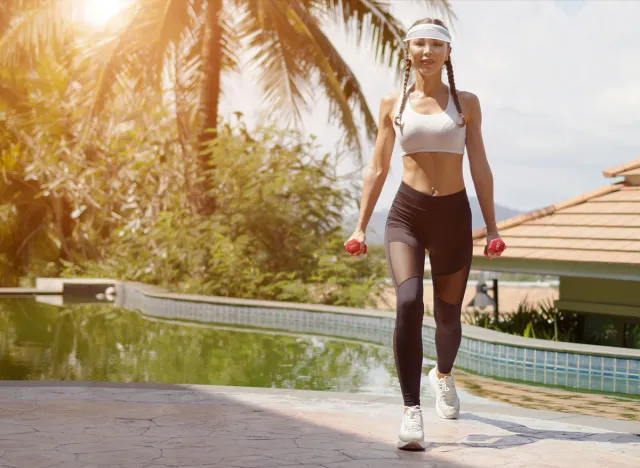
(371, 21)
(230, 41)
(138, 52)
(12, 98)
(137, 57)
(339, 81)
(281, 73)
(36, 27)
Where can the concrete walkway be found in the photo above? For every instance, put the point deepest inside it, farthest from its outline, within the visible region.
(89, 426)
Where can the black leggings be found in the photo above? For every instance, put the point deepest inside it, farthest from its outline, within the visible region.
(442, 225)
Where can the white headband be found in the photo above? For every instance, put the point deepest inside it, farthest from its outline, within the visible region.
(428, 31)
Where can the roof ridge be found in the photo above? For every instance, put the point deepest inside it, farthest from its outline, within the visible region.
(615, 170)
(548, 210)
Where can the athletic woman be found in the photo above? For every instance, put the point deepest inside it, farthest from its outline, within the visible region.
(430, 212)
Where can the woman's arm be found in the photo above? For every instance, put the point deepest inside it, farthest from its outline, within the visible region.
(480, 170)
(378, 168)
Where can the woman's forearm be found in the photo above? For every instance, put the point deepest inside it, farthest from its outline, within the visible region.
(374, 179)
(483, 181)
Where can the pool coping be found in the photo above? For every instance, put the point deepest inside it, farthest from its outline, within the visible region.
(468, 331)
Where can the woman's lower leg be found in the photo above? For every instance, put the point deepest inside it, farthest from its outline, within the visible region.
(448, 334)
(407, 339)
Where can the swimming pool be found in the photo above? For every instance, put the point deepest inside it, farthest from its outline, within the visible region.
(486, 352)
(100, 342)
(220, 341)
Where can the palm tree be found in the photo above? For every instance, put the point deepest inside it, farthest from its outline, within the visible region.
(198, 40)
(52, 206)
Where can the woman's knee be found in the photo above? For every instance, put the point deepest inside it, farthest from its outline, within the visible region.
(447, 316)
(409, 301)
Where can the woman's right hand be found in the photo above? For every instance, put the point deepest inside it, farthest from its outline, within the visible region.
(357, 239)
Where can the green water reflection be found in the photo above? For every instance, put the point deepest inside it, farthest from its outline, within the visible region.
(103, 343)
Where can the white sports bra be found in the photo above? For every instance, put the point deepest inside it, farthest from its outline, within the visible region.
(431, 132)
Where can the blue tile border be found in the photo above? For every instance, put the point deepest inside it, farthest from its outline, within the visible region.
(564, 368)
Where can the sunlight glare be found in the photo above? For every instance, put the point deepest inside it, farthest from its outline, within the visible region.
(99, 12)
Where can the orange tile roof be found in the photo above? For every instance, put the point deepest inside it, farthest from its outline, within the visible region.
(601, 226)
(617, 171)
(634, 172)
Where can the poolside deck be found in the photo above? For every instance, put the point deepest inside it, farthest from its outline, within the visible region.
(115, 425)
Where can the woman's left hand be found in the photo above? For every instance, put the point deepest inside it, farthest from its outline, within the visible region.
(493, 254)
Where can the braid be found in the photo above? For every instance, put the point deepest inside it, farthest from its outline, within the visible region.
(454, 92)
(405, 83)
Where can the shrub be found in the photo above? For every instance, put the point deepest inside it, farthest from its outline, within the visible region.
(276, 233)
(542, 320)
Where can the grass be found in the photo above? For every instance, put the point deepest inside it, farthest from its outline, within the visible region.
(622, 396)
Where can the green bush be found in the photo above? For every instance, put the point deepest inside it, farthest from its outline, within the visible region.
(542, 320)
(632, 336)
(124, 202)
(276, 233)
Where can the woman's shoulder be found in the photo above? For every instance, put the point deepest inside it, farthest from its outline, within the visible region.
(468, 99)
(389, 101)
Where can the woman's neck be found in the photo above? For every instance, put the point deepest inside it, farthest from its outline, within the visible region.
(428, 86)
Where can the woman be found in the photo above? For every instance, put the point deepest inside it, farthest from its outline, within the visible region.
(434, 122)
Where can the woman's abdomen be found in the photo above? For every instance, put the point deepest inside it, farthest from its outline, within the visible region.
(429, 172)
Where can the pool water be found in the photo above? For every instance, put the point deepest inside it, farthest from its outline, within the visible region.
(99, 342)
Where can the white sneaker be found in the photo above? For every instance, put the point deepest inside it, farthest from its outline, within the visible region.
(447, 401)
(411, 435)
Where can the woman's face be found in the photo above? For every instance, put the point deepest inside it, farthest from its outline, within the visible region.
(428, 55)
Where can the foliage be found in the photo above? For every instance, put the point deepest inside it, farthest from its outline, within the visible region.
(546, 322)
(284, 39)
(276, 234)
(189, 44)
(542, 320)
(57, 203)
(122, 202)
(632, 336)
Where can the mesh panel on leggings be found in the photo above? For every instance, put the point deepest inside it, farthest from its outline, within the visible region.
(450, 287)
(406, 261)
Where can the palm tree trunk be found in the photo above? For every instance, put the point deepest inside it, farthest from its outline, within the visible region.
(208, 113)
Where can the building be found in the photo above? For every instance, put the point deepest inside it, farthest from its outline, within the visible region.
(591, 242)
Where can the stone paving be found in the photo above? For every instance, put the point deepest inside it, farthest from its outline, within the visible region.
(90, 426)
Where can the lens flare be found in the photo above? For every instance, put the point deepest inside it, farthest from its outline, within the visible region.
(99, 12)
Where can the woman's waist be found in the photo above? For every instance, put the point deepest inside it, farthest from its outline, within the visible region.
(434, 186)
(411, 201)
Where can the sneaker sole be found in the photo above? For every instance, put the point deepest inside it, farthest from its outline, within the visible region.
(411, 445)
(442, 416)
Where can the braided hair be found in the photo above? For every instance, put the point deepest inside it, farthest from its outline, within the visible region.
(407, 72)
(405, 83)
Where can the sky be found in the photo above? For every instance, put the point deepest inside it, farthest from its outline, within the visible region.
(558, 82)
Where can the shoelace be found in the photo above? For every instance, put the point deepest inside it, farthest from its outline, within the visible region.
(412, 419)
(448, 393)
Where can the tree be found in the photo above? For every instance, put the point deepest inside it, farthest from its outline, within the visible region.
(200, 37)
(60, 205)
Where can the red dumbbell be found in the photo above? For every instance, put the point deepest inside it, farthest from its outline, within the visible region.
(496, 246)
(353, 246)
